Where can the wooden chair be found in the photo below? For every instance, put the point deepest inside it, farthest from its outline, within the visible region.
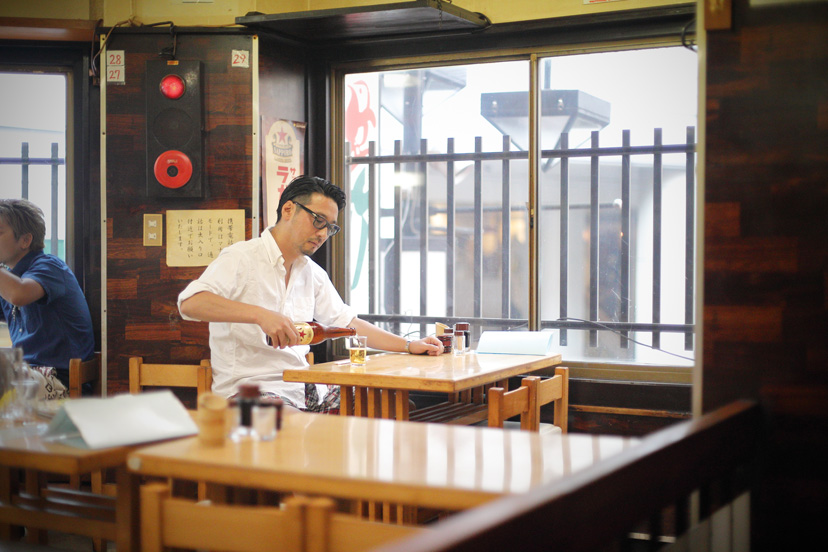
(303, 525)
(200, 376)
(527, 400)
(81, 372)
(143, 375)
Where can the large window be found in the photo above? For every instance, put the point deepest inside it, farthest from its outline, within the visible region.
(437, 167)
(33, 147)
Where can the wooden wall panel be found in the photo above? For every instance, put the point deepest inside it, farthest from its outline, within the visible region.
(143, 318)
(142, 290)
(766, 251)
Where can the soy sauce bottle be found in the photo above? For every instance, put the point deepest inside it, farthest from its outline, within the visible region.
(247, 400)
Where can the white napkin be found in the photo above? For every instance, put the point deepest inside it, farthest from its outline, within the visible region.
(516, 343)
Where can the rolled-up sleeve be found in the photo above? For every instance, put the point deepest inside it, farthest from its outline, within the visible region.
(220, 277)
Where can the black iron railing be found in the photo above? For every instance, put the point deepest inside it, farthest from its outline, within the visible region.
(622, 325)
(25, 162)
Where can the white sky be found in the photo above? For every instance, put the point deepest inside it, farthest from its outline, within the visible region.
(33, 101)
(647, 89)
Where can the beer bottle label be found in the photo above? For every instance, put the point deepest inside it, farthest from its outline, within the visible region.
(305, 332)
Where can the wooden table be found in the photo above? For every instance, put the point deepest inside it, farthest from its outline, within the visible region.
(74, 512)
(380, 388)
(440, 466)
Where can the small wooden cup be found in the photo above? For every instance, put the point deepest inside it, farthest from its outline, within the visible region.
(211, 418)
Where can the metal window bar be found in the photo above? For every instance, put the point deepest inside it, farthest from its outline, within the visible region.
(506, 234)
(626, 167)
(657, 193)
(595, 152)
(689, 235)
(54, 161)
(398, 223)
(423, 172)
(373, 209)
(24, 169)
(594, 236)
(478, 231)
(564, 238)
(450, 229)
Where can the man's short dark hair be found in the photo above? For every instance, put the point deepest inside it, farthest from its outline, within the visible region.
(302, 187)
(24, 217)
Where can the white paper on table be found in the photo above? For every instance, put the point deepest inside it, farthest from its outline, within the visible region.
(515, 343)
(121, 420)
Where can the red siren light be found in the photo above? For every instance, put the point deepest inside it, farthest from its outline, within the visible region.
(172, 86)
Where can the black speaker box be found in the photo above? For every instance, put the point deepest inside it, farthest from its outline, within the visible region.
(175, 150)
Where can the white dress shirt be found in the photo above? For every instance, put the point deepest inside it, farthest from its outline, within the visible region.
(254, 272)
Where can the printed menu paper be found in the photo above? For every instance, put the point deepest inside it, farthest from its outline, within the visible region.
(96, 423)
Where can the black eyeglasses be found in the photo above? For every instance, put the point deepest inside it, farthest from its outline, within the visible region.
(319, 222)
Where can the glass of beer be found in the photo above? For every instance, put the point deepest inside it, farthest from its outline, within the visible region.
(358, 344)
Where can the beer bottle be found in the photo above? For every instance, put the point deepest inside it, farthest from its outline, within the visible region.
(311, 333)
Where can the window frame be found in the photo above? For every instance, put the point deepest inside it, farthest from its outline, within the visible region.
(72, 60)
(532, 53)
(82, 190)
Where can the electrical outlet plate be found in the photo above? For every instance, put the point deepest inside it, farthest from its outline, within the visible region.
(153, 230)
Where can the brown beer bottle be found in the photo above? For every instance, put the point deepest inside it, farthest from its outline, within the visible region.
(311, 333)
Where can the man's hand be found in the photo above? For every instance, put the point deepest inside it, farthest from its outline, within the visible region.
(279, 329)
(430, 345)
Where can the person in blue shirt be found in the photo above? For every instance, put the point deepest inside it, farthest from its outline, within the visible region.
(45, 309)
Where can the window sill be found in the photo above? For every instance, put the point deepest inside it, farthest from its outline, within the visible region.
(627, 372)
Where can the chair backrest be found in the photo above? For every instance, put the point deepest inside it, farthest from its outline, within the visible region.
(527, 400)
(81, 372)
(303, 525)
(143, 375)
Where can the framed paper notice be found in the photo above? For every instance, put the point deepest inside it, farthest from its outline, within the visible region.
(195, 238)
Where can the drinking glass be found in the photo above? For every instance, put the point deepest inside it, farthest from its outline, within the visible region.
(26, 388)
(358, 344)
(10, 362)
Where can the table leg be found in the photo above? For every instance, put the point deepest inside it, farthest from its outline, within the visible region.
(346, 400)
(374, 404)
(217, 493)
(127, 510)
(401, 408)
(388, 404)
(8, 488)
(360, 401)
(33, 488)
(477, 395)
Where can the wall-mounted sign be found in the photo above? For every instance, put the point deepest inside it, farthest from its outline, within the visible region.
(283, 159)
(195, 238)
(240, 58)
(115, 67)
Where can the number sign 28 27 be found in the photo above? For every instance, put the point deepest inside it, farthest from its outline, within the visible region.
(115, 65)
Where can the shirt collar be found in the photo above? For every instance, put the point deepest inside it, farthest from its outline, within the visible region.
(24, 263)
(274, 254)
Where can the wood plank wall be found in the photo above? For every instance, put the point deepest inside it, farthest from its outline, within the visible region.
(766, 251)
(142, 316)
